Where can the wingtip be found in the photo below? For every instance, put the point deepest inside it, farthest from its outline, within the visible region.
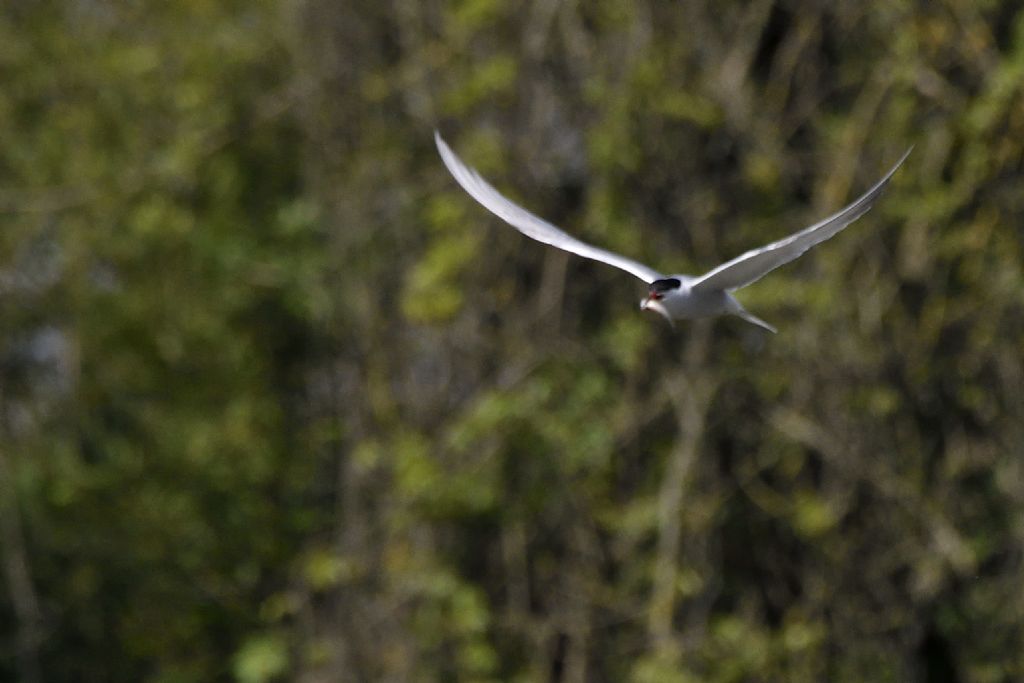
(892, 171)
(904, 157)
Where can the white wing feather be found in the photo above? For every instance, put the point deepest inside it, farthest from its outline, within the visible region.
(531, 225)
(754, 264)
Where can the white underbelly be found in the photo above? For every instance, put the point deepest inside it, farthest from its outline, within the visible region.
(688, 304)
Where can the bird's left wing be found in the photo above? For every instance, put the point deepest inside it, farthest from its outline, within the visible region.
(756, 263)
(530, 225)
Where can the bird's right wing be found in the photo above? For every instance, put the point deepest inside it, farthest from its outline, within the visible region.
(530, 225)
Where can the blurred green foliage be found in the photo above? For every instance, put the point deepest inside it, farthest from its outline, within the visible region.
(280, 402)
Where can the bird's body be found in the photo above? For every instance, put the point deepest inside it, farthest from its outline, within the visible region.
(682, 302)
(676, 297)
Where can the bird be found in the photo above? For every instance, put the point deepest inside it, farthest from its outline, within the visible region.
(678, 296)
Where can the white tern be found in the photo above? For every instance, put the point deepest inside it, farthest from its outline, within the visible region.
(677, 297)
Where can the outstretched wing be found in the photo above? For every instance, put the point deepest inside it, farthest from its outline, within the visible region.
(530, 225)
(756, 263)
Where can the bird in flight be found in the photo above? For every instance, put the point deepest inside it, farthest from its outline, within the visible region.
(676, 297)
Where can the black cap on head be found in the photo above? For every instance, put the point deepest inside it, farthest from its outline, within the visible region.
(665, 284)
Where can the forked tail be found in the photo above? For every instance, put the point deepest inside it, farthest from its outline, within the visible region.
(754, 319)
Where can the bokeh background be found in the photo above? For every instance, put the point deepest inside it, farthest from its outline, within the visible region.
(279, 402)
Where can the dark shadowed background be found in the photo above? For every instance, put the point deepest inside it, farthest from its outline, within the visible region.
(279, 402)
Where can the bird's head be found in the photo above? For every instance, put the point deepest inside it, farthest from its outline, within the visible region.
(657, 291)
